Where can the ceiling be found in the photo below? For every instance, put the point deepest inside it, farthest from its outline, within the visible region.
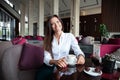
(64, 8)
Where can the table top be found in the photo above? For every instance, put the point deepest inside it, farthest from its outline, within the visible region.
(77, 73)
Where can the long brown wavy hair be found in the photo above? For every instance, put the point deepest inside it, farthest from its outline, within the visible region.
(49, 34)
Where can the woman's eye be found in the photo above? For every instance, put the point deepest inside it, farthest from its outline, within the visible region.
(57, 21)
(52, 24)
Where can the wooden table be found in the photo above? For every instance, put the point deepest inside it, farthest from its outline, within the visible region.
(77, 73)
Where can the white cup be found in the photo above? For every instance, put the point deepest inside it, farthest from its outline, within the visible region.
(71, 59)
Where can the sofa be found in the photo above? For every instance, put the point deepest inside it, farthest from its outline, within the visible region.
(100, 50)
(112, 45)
(10, 68)
(10, 60)
(3, 46)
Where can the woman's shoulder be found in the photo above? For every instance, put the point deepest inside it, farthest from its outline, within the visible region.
(69, 34)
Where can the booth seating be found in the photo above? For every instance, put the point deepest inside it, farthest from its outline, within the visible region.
(3, 46)
(11, 68)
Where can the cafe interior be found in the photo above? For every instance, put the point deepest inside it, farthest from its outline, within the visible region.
(94, 23)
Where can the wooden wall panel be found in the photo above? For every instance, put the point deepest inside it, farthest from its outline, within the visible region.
(89, 25)
(111, 14)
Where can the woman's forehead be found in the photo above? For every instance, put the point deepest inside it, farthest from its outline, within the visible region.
(54, 19)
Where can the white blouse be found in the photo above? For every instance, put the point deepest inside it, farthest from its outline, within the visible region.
(67, 41)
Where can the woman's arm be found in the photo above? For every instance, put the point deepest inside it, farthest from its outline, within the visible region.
(81, 59)
(77, 51)
(75, 46)
(50, 62)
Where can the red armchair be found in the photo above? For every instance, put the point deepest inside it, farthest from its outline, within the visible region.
(113, 45)
(108, 48)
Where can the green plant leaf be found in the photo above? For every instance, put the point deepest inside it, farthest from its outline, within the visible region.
(103, 30)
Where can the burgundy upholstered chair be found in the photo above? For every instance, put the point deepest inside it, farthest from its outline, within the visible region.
(39, 38)
(18, 40)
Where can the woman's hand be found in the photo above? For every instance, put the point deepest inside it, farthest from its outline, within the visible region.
(61, 63)
(80, 59)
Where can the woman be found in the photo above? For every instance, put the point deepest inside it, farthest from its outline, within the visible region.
(57, 45)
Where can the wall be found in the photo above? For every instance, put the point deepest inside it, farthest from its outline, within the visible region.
(111, 14)
(89, 25)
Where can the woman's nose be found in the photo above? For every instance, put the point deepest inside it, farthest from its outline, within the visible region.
(56, 24)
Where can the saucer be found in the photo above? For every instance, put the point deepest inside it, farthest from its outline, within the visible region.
(92, 72)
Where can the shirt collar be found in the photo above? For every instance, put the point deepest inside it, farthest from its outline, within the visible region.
(62, 35)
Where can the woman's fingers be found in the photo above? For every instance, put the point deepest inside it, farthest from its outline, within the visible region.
(62, 62)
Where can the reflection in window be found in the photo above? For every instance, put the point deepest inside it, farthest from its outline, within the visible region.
(6, 25)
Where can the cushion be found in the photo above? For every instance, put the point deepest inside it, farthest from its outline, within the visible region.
(116, 54)
(31, 57)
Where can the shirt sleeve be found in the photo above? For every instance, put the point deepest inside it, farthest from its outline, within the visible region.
(47, 58)
(75, 46)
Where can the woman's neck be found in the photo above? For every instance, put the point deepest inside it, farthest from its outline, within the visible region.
(57, 35)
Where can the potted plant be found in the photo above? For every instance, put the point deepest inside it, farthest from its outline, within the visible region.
(104, 32)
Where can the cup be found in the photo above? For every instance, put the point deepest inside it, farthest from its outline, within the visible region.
(71, 59)
(71, 70)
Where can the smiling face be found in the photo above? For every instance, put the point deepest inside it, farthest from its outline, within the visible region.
(56, 25)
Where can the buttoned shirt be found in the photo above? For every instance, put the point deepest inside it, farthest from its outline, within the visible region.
(67, 41)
